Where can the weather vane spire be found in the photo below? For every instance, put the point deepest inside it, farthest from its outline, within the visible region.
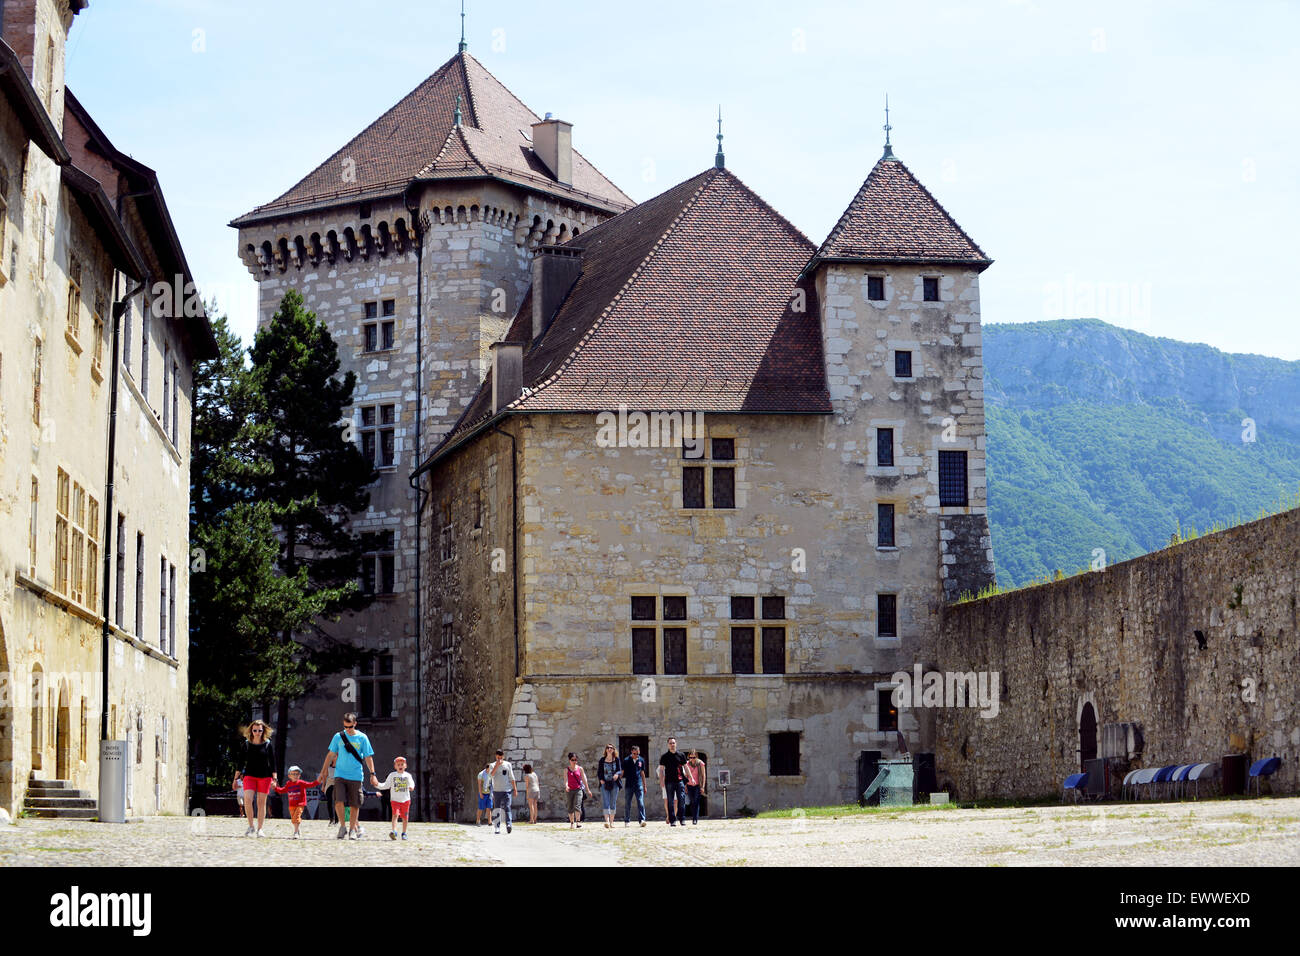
(889, 150)
(463, 44)
(456, 117)
(719, 160)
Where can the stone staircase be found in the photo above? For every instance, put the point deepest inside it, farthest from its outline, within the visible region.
(57, 799)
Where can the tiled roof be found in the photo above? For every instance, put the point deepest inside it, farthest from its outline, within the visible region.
(686, 302)
(893, 218)
(415, 138)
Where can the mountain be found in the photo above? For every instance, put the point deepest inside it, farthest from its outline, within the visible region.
(1100, 437)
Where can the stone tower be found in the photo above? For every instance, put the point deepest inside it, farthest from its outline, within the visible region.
(898, 283)
(425, 221)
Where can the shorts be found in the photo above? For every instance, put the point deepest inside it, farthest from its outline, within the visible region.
(347, 792)
(485, 801)
(400, 809)
(574, 800)
(295, 814)
(257, 785)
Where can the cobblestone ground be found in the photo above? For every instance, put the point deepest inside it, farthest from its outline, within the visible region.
(1210, 833)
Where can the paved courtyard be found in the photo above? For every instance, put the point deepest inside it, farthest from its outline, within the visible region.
(1210, 833)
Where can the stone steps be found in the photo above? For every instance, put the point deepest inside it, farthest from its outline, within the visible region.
(58, 799)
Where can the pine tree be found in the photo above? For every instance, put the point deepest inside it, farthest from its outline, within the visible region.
(316, 477)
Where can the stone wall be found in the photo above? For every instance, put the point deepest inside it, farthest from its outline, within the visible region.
(1198, 643)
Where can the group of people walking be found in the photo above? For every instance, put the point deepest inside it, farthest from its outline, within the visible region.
(683, 782)
(349, 761)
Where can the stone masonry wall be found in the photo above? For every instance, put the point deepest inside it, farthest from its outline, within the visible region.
(1197, 643)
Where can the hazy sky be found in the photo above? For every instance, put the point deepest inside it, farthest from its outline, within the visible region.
(1134, 162)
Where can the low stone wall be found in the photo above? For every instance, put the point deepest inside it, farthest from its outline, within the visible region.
(1197, 643)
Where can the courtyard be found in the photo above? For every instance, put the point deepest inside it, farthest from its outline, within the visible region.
(1210, 833)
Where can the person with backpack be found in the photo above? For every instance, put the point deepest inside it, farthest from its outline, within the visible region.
(352, 758)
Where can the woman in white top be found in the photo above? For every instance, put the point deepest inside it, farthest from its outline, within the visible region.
(533, 788)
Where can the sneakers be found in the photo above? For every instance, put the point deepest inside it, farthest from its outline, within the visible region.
(496, 830)
(260, 834)
(250, 831)
(403, 836)
(361, 831)
(642, 823)
(296, 835)
(343, 831)
(392, 834)
(354, 835)
(509, 828)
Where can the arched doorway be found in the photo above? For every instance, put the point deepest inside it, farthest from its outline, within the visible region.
(1087, 735)
(63, 736)
(38, 711)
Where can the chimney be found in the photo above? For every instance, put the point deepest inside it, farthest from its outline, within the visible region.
(555, 270)
(553, 144)
(507, 373)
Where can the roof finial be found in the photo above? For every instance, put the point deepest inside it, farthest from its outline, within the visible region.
(720, 161)
(463, 44)
(455, 120)
(889, 151)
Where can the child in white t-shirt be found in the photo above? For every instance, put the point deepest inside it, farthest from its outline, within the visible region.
(403, 785)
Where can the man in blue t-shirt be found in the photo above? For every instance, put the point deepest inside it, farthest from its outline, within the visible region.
(349, 772)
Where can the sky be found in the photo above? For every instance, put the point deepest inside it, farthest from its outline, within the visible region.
(1133, 162)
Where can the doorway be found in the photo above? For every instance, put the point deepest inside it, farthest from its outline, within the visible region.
(38, 725)
(1087, 735)
(63, 737)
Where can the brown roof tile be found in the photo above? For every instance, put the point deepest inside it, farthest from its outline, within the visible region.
(413, 138)
(893, 218)
(684, 302)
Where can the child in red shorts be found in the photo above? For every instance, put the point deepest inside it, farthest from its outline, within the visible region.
(297, 789)
(403, 785)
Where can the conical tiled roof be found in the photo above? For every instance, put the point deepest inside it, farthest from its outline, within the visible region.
(893, 218)
(417, 137)
(688, 301)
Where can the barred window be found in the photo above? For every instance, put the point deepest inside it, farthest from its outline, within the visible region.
(884, 447)
(887, 615)
(952, 478)
(884, 525)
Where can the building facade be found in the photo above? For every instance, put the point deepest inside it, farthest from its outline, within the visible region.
(754, 592)
(423, 225)
(94, 547)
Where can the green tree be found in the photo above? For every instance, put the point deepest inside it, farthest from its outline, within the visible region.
(316, 480)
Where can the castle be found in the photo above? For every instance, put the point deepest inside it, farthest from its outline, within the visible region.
(542, 590)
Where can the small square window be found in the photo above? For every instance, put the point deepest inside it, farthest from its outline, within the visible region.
(783, 754)
(692, 487)
(742, 650)
(902, 364)
(887, 615)
(930, 289)
(674, 607)
(876, 288)
(742, 608)
(884, 447)
(643, 607)
(886, 712)
(724, 449)
(390, 307)
(774, 608)
(372, 310)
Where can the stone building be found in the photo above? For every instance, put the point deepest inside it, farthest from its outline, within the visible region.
(595, 576)
(94, 509)
(413, 244)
